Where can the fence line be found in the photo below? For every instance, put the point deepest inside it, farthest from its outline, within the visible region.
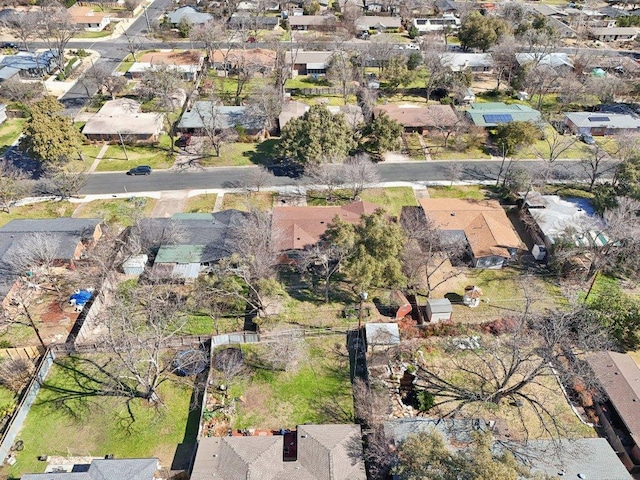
(10, 434)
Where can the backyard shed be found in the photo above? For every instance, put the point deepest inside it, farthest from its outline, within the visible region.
(382, 335)
(134, 265)
(439, 309)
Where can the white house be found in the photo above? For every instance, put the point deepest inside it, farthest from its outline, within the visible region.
(436, 24)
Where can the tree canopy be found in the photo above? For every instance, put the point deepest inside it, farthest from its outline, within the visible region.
(49, 136)
(479, 31)
(376, 245)
(316, 136)
(512, 136)
(381, 135)
(424, 456)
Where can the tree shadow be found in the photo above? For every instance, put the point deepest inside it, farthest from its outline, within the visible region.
(264, 154)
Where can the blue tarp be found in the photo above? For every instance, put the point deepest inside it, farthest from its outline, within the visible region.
(81, 297)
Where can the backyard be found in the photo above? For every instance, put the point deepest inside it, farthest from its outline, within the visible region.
(69, 419)
(318, 391)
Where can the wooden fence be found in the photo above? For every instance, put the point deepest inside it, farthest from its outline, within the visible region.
(21, 353)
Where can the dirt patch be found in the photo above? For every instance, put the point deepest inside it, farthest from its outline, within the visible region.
(180, 57)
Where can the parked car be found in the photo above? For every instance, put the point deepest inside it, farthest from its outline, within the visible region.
(184, 141)
(140, 170)
(587, 138)
(9, 45)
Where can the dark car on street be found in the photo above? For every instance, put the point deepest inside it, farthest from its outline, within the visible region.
(140, 170)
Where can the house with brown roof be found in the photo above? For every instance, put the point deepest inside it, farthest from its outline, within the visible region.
(316, 452)
(123, 119)
(619, 407)
(482, 224)
(295, 228)
(88, 19)
(419, 119)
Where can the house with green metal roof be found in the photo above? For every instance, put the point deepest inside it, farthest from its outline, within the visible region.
(492, 114)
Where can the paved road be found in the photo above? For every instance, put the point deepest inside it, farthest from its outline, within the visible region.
(228, 177)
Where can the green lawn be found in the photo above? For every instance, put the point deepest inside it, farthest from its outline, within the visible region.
(94, 425)
(307, 81)
(204, 325)
(413, 146)
(85, 34)
(201, 203)
(468, 154)
(240, 154)
(11, 130)
(156, 156)
(541, 148)
(474, 192)
(119, 212)
(319, 391)
(247, 201)
(7, 401)
(391, 199)
(53, 209)
(124, 66)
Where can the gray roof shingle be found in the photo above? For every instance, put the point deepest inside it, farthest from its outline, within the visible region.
(112, 469)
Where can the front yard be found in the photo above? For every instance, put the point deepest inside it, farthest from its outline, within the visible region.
(68, 419)
(391, 199)
(118, 213)
(50, 209)
(156, 156)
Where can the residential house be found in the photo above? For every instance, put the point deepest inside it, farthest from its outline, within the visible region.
(207, 114)
(190, 14)
(375, 6)
(617, 406)
(295, 228)
(313, 452)
(188, 72)
(104, 469)
(317, 23)
(203, 240)
(71, 236)
(122, 120)
(308, 63)
(246, 21)
(28, 65)
(378, 23)
(482, 225)
(419, 119)
(445, 6)
(290, 110)
(600, 123)
(88, 19)
(259, 60)
(476, 62)
(589, 458)
(436, 24)
(553, 217)
(614, 34)
(557, 60)
(491, 114)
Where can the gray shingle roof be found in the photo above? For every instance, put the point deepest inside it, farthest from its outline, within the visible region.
(114, 469)
(191, 14)
(222, 117)
(603, 120)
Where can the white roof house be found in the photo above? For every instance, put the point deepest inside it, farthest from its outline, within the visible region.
(189, 13)
(602, 123)
(472, 61)
(555, 60)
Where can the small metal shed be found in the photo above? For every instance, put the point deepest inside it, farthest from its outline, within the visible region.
(382, 334)
(439, 310)
(134, 265)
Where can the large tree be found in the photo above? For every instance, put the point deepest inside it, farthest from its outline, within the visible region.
(23, 25)
(49, 136)
(424, 456)
(341, 71)
(315, 136)
(515, 371)
(511, 138)
(381, 135)
(56, 28)
(480, 31)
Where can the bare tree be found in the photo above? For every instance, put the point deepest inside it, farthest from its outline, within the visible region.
(329, 177)
(134, 44)
(613, 240)
(215, 132)
(341, 71)
(139, 325)
(608, 88)
(518, 368)
(101, 77)
(36, 253)
(265, 105)
(324, 260)
(12, 187)
(23, 25)
(454, 172)
(16, 90)
(283, 351)
(162, 84)
(56, 29)
(147, 235)
(594, 163)
(436, 64)
(359, 171)
(15, 373)
(557, 145)
(430, 259)
(228, 364)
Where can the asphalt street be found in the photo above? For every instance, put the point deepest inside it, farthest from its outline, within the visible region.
(230, 177)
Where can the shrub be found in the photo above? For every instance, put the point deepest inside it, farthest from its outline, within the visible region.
(426, 401)
(15, 374)
(500, 326)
